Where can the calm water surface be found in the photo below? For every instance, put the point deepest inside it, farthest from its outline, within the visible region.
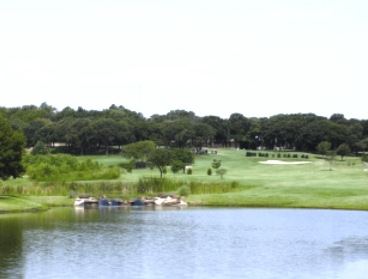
(184, 243)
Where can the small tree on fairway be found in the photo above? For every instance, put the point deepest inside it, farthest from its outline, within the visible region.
(343, 150)
(330, 155)
(159, 158)
(221, 172)
(216, 164)
(323, 147)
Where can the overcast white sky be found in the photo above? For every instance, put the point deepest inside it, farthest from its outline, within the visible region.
(258, 58)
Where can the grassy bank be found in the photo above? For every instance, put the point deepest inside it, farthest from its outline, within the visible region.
(31, 203)
(259, 185)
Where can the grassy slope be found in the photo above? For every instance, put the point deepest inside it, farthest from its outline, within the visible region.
(309, 185)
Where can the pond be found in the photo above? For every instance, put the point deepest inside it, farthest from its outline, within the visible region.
(184, 243)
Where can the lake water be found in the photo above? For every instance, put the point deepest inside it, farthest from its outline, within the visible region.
(184, 243)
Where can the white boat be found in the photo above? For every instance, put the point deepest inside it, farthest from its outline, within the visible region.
(85, 200)
(79, 202)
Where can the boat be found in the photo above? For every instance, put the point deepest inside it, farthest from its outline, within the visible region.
(85, 200)
(110, 202)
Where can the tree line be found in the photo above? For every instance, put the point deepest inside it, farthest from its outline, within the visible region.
(87, 130)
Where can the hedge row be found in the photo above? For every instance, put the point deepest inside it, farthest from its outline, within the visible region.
(284, 155)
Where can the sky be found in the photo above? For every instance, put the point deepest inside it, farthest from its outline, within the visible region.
(258, 58)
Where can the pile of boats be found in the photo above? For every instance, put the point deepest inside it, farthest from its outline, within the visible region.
(160, 200)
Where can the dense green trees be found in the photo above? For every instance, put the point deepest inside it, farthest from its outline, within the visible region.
(86, 131)
(11, 151)
(66, 168)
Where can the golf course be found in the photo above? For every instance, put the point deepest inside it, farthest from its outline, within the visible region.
(273, 181)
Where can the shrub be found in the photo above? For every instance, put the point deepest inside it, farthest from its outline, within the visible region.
(189, 171)
(140, 164)
(66, 168)
(295, 155)
(183, 191)
(129, 166)
(249, 154)
(365, 158)
(39, 149)
(278, 155)
(209, 171)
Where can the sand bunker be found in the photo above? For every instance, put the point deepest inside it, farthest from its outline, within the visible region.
(277, 162)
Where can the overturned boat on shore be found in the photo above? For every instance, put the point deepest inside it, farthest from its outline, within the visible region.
(85, 200)
(160, 200)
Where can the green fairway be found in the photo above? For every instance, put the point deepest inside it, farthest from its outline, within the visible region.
(310, 185)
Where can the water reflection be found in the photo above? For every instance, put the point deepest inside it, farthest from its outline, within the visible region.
(11, 248)
(146, 242)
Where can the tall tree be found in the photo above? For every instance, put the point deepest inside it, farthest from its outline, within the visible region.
(203, 134)
(177, 133)
(11, 151)
(221, 127)
(105, 131)
(354, 133)
(239, 126)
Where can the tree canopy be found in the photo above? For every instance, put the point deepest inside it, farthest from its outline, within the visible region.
(89, 131)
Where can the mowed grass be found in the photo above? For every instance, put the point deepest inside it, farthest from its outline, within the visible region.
(31, 203)
(310, 185)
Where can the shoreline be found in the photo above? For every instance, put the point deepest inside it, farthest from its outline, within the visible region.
(194, 203)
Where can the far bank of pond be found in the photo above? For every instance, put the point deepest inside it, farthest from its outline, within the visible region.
(266, 197)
